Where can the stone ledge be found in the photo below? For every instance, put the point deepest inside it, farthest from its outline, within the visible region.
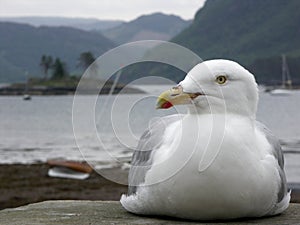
(109, 212)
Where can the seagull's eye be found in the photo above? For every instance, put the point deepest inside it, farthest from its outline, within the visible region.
(221, 79)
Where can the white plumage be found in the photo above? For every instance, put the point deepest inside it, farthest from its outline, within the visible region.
(216, 161)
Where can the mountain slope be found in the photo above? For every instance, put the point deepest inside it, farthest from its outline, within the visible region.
(244, 30)
(252, 32)
(155, 26)
(21, 48)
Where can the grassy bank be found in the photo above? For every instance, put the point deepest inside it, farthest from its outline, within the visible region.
(66, 86)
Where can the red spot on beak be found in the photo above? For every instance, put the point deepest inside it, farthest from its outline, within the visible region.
(166, 105)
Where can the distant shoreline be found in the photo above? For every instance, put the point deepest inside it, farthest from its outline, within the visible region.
(67, 86)
(43, 90)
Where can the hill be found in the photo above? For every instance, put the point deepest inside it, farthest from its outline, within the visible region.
(251, 32)
(21, 48)
(156, 26)
(79, 23)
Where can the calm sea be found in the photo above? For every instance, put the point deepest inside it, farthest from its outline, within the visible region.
(41, 129)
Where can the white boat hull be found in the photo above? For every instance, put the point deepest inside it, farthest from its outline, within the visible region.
(63, 172)
(281, 92)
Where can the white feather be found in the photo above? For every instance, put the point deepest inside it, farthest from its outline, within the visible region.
(215, 163)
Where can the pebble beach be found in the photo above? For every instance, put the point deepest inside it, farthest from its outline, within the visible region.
(22, 184)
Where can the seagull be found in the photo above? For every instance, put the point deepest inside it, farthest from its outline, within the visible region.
(214, 162)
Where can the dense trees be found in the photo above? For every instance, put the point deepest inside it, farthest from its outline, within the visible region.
(46, 63)
(59, 68)
(86, 59)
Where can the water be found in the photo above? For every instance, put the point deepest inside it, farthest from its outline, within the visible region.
(41, 129)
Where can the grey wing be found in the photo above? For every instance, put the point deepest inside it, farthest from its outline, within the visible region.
(141, 160)
(278, 154)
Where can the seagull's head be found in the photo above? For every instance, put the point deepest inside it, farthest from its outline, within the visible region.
(215, 86)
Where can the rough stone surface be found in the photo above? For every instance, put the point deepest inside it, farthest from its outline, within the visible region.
(104, 212)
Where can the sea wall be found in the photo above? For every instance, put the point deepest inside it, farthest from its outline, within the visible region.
(111, 212)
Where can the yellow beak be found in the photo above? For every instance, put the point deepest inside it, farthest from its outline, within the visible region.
(174, 96)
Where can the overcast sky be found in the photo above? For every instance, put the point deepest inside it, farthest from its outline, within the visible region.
(102, 9)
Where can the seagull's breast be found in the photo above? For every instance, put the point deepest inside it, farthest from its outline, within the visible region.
(237, 163)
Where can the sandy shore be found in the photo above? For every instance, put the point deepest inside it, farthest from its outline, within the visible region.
(24, 184)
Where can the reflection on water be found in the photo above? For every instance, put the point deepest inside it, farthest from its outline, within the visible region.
(40, 129)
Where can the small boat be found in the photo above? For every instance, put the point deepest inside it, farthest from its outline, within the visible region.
(26, 96)
(286, 86)
(280, 91)
(69, 169)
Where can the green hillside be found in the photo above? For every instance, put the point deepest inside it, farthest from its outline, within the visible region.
(21, 48)
(250, 32)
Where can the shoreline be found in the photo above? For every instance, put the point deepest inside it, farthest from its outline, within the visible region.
(61, 91)
(22, 184)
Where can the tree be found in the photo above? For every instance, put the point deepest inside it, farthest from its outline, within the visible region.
(46, 63)
(59, 69)
(86, 59)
